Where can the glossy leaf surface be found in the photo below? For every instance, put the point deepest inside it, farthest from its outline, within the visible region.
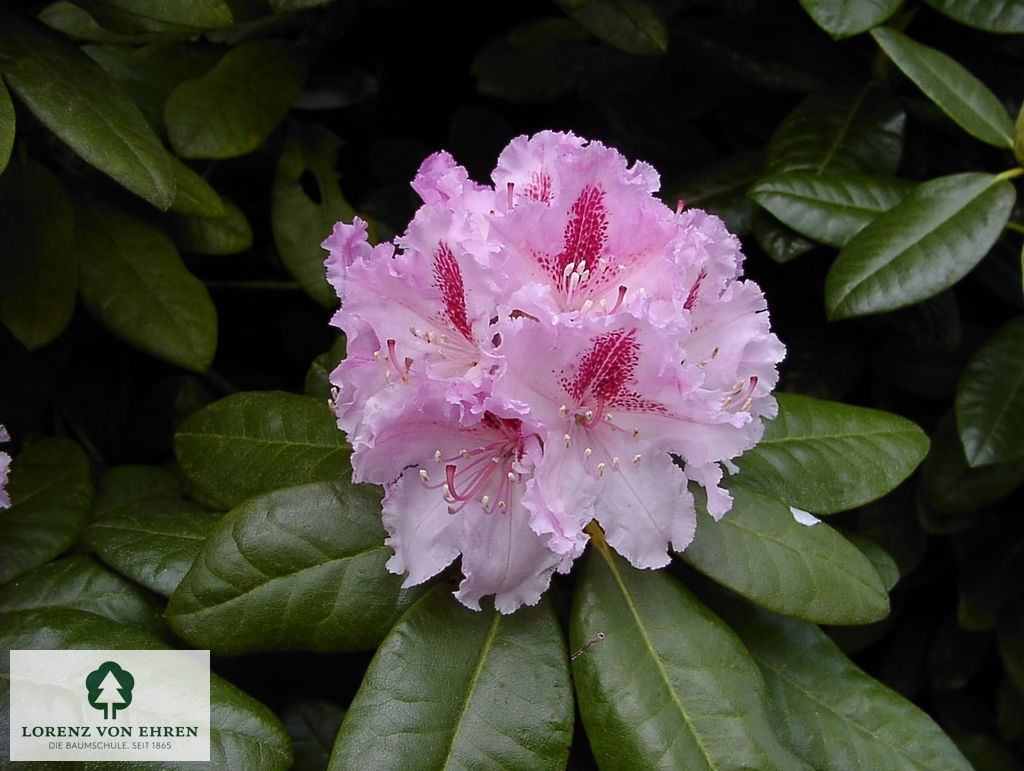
(760, 551)
(255, 442)
(956, 91)
(74, 98)
(51, 495)
(825, 457)
(923, 245)
(232, 108)
(662, 681)
(453, 688)
(297, 569)
(830, 208)
(990, 399)
(134, 281)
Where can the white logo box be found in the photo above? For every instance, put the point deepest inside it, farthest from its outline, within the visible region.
(159, 710)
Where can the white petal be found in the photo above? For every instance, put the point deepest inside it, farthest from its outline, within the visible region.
(423, 534)
(804, 517)
(502, 556)
(643, 507)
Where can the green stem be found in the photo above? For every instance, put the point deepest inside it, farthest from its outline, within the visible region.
(1015, 226)
(1010, 174)
(253, 285)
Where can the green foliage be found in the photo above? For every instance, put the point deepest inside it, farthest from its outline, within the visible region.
(51, 497)
(231, 109)
(689, 680)
(453, 688)
(298, 569)
(38, 261)
(76, 100)
(253, 443)
(173, 167)
(134, 281)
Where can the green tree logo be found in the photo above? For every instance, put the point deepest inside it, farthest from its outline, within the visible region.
(110, 688)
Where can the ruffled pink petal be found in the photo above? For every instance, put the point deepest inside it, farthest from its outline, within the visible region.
(645, 506)
(423, 534)
(442, 182)
(502, 556)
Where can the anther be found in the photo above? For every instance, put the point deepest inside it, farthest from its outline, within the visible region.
(486, 501)
(618, 302)
(453, 509)
(587, 453)
(437, 456)
(464, 453)
(636, 432)
(501, 505)
(563, 411)
(511, 476)
(424, 477)
(589, 415)
(637, 458)
(615, 463)
(600, 469)
(568, 440)
(569, 269)
(586, 307)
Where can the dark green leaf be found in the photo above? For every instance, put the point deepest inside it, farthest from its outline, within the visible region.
(159, 15)
(719, 189)
(660, 680)
(297, 569)
(243, 732)
(990, 399)
(881, 560)
(923, 245)
(255, 442)
(956, 91)
(455, 688)
(77, 101)
(760, 551)
(635, 26)
(830, 712)
(51, 496)
(80, 583)
(778, 241)
(38, 261)
(6, 125)
(950, 486)
(846, 18)
(1018, 139)
(830, 208)
(286, 6)
(317, 382)
(300, 222)
(231, 109)
(124, 485)
(536, 62)
(839, 132)
(826, 457)
(955, 656)
(152, 541)
(196, 197)
(1011, 644)
(990, 566)
(77, 24)
(1005, 16)
(312, 723)
(134, 281)
(228, 234)
(149, 73)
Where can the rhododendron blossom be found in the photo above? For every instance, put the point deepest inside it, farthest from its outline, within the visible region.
(557, 349)
(5, 463)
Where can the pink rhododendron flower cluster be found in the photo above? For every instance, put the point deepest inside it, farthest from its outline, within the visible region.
(5, 464)
(555, 349)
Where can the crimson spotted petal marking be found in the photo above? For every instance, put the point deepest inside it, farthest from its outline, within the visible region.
(448, 278)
